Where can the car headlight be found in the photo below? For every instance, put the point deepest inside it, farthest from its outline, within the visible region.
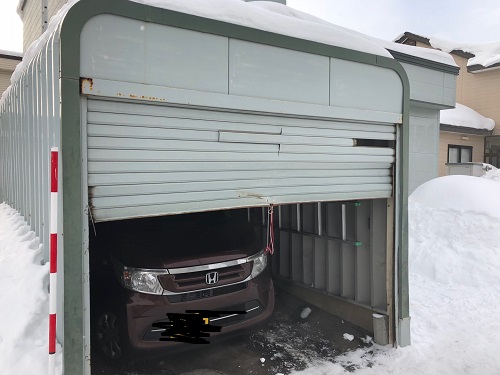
(140, 281)
(259, 264)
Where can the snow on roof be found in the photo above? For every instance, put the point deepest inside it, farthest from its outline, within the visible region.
(425, 53)
(10, 53)
(263, 15)
(273, 17)
(466, 117)
(485, 54)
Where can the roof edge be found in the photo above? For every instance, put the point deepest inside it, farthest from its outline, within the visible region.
(464, 130)
(477, 68)
(414, 60)
(410, 36)
(10, 57)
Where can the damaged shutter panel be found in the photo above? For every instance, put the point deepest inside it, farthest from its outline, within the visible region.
(147, 159)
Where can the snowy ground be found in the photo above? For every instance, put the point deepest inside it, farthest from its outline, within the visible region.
(454, 289)
(24, 307)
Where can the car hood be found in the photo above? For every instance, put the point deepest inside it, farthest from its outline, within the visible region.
(187, 247)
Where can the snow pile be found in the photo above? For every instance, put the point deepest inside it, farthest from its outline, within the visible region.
(24, 309)
(463, 215)
(466, 117)
(459, 194)
(493, 174)
(485, 54)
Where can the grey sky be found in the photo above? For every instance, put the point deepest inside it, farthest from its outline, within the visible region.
(459, 20)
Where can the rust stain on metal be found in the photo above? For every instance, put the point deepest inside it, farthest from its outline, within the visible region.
(133, 96)
(88, 81)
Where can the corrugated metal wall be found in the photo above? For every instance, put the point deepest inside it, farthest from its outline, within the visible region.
(336, 247)
(29, 127)
(148, 159)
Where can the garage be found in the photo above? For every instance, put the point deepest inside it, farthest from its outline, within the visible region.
(164, 114)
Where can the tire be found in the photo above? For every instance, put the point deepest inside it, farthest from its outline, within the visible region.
(108, 339)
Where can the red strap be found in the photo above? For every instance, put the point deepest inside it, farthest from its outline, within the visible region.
(270, 231)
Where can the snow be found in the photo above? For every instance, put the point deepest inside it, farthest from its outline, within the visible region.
(348, 337)
(492, 174)
(464, 116)
(24, 310)
(305, 312)
(485, 54)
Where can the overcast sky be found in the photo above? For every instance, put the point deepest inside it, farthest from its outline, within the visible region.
(458, 20)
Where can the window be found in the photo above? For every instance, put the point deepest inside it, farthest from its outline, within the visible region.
(492, 150)
(459, 154)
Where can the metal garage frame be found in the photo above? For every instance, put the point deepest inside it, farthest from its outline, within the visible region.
(75, 337)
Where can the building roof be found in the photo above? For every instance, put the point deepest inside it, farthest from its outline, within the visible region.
(465, 117)
(481, 56)
(11, 55)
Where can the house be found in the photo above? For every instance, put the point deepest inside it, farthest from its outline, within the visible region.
(8, 62)
(35, 15)
(468, 132)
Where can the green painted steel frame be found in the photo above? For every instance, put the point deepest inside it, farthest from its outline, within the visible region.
(72, 157)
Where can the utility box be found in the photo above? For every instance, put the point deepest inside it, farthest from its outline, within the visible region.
(160, 112)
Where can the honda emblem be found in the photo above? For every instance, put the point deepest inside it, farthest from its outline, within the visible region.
(212, 278)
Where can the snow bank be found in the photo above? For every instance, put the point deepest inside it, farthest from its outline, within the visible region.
(493, 174)
(24, 296)
(455, 230)
(460, 194)
(486, 54)
(466, 117)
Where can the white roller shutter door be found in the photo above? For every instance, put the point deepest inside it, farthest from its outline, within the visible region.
(146, 159)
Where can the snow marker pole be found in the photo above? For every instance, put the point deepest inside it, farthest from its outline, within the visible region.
(53, 258)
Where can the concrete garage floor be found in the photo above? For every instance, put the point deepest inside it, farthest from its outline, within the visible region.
(286, 343)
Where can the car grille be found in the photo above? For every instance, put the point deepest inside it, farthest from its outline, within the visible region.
(192, 281)
(193, 296)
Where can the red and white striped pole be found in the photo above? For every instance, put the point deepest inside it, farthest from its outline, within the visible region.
(53, 259)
